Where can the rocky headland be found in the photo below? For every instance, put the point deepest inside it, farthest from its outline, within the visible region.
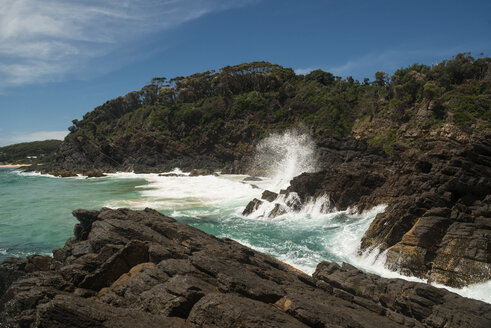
(127, 268)
(418, 142)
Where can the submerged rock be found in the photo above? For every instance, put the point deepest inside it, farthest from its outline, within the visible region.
(129, 268)
(173, 175)
(252, 178)
(63, 173)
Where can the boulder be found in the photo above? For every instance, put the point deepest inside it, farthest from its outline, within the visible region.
(269, 196)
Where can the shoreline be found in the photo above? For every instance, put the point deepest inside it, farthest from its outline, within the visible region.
(13, 165)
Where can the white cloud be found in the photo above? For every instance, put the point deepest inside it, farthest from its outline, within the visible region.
(46, 40)
(34, 136)
(303, 71)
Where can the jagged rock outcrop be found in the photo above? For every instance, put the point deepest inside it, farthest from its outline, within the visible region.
(129, 268)
(439, 215)
(438, 221)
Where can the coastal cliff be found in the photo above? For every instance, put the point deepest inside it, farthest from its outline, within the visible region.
(417, 141)
(128, 268)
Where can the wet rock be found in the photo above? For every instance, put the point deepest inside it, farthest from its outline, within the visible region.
(172, 175)
(94, 174)
(198, 172)
(269, 196)
(277, 210)
(252, 206)
(253, 178)
(63, 173)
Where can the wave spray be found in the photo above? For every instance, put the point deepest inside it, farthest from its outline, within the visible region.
(281, 157)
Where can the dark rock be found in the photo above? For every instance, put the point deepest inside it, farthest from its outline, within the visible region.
(252, 206)
(143, 269)
(434, 307)
(269, 196)
(218, 310)
(94, 174)
(69, 311)
(173, 175)
(198, 172)
(277, 210)
(252, 179)
(62, 173)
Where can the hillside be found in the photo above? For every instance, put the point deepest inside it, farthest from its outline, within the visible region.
(43, 151)
(213, 119)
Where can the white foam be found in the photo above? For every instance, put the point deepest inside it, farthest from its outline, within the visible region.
(34, 174)
(184, 192)
(481, 291)
(46, 175)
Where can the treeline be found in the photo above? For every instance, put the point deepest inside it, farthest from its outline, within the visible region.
(257, 97)
(38, 151)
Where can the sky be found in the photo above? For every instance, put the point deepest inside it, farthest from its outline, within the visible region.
(59, 59)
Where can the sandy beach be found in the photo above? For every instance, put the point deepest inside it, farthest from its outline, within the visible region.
(14, 165)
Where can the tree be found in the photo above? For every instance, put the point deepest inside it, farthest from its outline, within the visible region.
(320, 76)
(381, 78)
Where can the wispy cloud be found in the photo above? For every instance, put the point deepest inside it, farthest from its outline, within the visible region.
(304, 71)
(34, 136)
(46, 40)
(387, 60)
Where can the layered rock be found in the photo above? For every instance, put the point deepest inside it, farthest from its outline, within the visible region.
(437, 224)
(129, 268)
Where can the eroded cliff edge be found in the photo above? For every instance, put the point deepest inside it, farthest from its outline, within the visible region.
(129, 268)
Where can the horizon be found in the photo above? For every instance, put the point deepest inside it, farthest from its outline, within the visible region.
(59, 61)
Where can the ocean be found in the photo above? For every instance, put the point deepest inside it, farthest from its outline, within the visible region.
(35, 212)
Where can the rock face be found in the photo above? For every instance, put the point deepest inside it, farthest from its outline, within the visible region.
(438, 221)
(129, 268)
(144, 153)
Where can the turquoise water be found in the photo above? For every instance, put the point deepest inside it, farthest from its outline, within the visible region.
(35, 217)
(35, 211)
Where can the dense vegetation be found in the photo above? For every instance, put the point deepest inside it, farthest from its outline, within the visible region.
(44, 152)
(239, 104)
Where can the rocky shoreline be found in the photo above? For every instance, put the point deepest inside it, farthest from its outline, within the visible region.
(127, 268)
(437, 224)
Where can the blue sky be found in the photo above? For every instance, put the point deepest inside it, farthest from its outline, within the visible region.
(61, 58)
